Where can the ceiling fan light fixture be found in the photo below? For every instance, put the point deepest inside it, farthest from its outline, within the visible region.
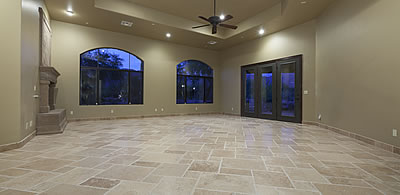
(70, 12)
(222, 17)
(168, 35)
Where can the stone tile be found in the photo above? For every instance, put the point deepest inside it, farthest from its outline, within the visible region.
(43, 186)
(4, 179)
(264, 190)
(328, 189)
(89, 162)
(130, 187)
(235, 171)
(153, 179)
(209, 192)
(309, 175)
(345, 172)
(46, 164)
(334, 157)
(243, 164)
(349, 182)
(278, 161)
(304, 185)
(94, 152)
(204, 166)
(123, 159)
(186, 147)
(100, 183)
(377, 170)
(161, 157)
(15, 192)
(223, 153)
(67, 189)
(146, 164)
(120, 172)
(28, 181)
(197, 155)
(173, 185)
(76, 176)
(229, 183)
(274, 179)
(14, 172)
(167, 169)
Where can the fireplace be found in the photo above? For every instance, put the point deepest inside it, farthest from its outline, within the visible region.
(49, 119)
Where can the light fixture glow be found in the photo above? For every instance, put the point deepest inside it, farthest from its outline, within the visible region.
(303, 2)
(69, 12)
(222, 17)
(261, 31)
(168, 35)
(212, 42)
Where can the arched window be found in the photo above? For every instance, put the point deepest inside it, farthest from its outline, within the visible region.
(194, 83)
(110, 76)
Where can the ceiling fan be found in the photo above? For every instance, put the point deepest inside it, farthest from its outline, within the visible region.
(216, 21)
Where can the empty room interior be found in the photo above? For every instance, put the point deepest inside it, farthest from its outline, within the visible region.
(203, 97)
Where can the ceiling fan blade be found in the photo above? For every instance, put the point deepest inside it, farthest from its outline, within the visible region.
(229, 26)
(204, 18)
(228, 17)
(201, 26)
(214, 29)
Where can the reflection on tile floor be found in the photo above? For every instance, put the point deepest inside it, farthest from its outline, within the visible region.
(208, 154)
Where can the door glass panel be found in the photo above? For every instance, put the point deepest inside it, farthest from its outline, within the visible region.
(250, 89)
(266, 90)
(288, 90)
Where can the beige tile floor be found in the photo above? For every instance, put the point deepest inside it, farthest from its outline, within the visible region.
(208, 154)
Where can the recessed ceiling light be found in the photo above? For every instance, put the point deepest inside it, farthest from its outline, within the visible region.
(69, 12)
(261, 31)
(153, 24)
(303, 2)
(222, 17)
(126, 23)
(212, 42)
(168, 35)
(87, 23)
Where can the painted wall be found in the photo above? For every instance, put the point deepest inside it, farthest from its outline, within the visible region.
(358, 45)
(30, 41)
(290, 42)
(10, 75)
(160, 60)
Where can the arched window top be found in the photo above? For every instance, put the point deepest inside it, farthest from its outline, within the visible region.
(194, 68)
(111, 58)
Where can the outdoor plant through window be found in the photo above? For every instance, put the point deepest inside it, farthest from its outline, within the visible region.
(194, 83)
(110, 76)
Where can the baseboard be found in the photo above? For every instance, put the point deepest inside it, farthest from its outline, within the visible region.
(19, 144)
(367, 140)
(138, 116)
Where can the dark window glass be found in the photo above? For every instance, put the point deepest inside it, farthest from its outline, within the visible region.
(194, 83)
(195, 90)
(136, 88)
(180, 90)
(88, 87)
(113, 87)
(113, 58)
(208, 90)
(110, 76)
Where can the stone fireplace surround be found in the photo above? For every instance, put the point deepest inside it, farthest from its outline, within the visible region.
(49, 119)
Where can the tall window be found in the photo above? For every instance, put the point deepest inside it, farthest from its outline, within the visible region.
(194, 83)
(110, 76)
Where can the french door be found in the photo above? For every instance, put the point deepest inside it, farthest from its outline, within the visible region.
(273, 90)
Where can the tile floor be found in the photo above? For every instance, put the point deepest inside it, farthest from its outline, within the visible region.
(208, 154)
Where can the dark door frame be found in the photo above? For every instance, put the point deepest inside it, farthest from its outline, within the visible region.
(298, 60)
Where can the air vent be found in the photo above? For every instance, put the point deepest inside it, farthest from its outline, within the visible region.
(126, 23)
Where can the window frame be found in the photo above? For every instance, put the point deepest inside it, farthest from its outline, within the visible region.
(98, 69)
(195, 76)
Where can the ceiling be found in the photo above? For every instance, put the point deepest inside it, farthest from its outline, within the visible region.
(190, 9)
(153, 19)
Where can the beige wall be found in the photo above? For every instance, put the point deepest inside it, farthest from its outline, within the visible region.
(160, 60)
(29, 64)
(10, 82)
(358, 68)
(290, 42)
